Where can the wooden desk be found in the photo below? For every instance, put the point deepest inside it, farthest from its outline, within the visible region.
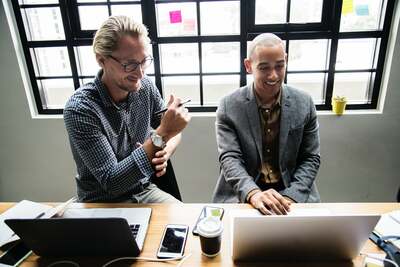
(187, 214)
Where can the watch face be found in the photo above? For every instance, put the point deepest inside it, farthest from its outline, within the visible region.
(157, 140)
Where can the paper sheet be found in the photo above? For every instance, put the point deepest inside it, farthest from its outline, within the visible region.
(22, 210)
(389, 224)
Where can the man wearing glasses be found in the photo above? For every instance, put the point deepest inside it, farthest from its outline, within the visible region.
(116, 138)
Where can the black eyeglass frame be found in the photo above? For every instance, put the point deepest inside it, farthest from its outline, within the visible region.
(134, 65)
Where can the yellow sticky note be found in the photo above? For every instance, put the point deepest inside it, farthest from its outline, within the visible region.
(347, 7)
(215, 212)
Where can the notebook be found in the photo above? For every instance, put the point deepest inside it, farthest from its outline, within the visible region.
(86, 232)
(300, 237)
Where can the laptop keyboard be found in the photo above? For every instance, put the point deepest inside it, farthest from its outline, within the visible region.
(134, 229)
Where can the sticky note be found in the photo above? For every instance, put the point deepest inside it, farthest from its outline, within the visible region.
(347, 7)
(175, 16)
(215, 212)
(362, 10)
(189, 25)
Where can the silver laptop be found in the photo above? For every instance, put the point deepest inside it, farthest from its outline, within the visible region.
(304, 238)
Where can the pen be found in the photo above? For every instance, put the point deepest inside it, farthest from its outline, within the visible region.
(40, 215)
(165, 109)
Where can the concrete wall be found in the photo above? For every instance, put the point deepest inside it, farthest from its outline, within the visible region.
(359, 152)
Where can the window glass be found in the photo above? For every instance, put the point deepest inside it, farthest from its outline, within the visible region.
(55, 92)
(43, 24)
(305, 11)
(176, 19)
(270, 12)
(187, 33)
(86, 61)
(217, 86)
(85, 81)
(360, 15)
(91, 17)
(354, 86)
(51, 61)
(220, 18)
(185, 87)
(312, 83)
(221, 57)
(150, 69)
(308, 54)
(355, 54)
(133, 11)
(179, 58)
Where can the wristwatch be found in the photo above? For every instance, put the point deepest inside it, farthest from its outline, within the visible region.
(157, 140)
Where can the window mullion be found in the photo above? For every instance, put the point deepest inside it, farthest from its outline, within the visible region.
(382, 50)
(333, 53)
(149, 11)
(68, 38)
(28, 59)
(244, 29)
(200, 54)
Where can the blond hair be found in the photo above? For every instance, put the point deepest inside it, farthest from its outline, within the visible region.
(107, 36)
(264, 40)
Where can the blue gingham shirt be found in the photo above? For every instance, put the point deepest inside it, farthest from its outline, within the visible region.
(103, 137)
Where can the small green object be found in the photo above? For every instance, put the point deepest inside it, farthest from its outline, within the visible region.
(215, 212)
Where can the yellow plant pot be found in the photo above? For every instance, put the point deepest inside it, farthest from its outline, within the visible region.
(338, 105)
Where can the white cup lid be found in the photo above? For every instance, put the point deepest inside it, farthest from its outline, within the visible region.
(210, 227)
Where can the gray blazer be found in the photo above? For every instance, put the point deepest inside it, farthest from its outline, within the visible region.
(239, 143)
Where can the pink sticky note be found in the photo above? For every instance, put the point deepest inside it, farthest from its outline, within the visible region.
(175, 16)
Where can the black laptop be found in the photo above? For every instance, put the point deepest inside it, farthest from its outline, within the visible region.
(108, 236)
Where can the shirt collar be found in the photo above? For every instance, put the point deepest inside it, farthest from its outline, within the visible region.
(277, 103)
(106, 97)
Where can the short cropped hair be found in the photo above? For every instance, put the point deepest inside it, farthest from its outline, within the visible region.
(110, 32)
(264, 39)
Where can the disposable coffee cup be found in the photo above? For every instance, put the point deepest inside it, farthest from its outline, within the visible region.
(210, 231)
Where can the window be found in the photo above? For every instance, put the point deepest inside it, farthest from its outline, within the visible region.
(334, 47)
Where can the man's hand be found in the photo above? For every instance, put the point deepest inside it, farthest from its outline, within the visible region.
(160, 162)
(270, 202)
(174, 120)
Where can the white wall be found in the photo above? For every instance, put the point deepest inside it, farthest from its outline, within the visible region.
(359, 152)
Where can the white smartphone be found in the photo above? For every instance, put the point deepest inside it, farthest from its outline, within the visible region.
(173, 241)
(15, 255)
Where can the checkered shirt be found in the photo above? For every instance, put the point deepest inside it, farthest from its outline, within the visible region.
(103, 137)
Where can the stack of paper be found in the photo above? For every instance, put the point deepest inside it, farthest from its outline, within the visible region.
(24, 209)
(389, 224)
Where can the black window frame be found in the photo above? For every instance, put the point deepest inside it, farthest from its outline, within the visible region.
(328, 28)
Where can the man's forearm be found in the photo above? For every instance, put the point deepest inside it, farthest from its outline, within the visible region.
(172, 144)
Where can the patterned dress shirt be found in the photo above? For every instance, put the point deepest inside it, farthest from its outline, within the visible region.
(103, 136)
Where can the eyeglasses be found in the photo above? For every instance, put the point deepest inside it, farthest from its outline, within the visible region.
(129, 67)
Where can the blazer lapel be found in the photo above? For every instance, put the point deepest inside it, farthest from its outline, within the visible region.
(285, 121)
(254, 119)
